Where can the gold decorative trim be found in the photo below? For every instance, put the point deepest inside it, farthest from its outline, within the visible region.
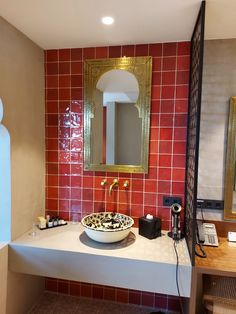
(141, 67)
(230, 163)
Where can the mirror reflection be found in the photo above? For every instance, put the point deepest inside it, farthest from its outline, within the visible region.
(116, 127)
(117, 114)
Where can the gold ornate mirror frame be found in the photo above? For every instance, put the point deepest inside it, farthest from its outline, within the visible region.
(230, 176)
(141, 68)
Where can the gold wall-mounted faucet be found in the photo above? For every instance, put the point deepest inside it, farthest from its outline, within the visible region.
(115, 183)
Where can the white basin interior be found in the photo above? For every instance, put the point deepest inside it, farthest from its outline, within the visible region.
(107, 227)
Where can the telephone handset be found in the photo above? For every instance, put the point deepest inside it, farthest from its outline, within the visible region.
(206, 234)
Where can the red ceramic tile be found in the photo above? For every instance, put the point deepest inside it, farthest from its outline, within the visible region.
(64, 81)
(168, 92)
(128, 51)
(150, 186)
(166, 120)
(52, 94)
(179, 161)
(109, 294)
(75, 289)
(51, 131)
(64, 54)
(136, 211)
(156, 78)
(64, 94)
(52, 192)
(183, 48)
(122, 295)
(87, 206)
(155, 50)
(76, 93)
(86, 290)
(169, 64)
(76, 181)
(52, 107)
(152, 173)
(52, 55)
(164, 187)
(178, 174)
(173, 304)
(76, 206)
(168, 78)
(64, 205)
(156, 92)
(52, 180)
(183, 63)
(89, 53)
(64, 169)
(165, 147)
(64, 68)
(155, 106)
(153, 158)
(76, 67)
(76, 193)
(164, 174)
(64, 106)
(76, 54)
(151, 210)
(180, 134)
(97, 292)
(154, 136)
(134, 297)
(137, 197)
(160, 302)
(114, 52)
(181, 106)
(52, 204)
(137, 185)
(141, 50)
(167, 106)
(87, 194)
(154, 120)
(169, 49)
(52, 156)
(178, 188)
(157, 64)
(52, 168)
(63, 286)
(64, 193)
(52, 68)
(51, 284)
(150, 199)
(166, 134)
(181, 91)
(180, 147)
(165, 160)
(101, 52)
(181, 120)
(76, 80)
(52, 81)
(182, 77)
(52, 144)
(52, 119)
(147, 299)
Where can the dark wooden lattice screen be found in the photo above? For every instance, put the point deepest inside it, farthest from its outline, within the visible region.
(194, 111)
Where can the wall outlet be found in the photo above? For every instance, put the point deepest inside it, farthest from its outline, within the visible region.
(170, 200)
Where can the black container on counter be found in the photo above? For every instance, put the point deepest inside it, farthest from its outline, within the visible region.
(150, 227)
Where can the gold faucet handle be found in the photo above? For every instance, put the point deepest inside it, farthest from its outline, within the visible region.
(126, 184)
(104, 182)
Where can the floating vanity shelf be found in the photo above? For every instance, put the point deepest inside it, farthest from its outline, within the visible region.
(134, 263)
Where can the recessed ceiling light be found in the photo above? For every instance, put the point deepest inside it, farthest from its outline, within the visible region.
(108, 20)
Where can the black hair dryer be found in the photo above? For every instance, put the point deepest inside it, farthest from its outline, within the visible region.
(175, 232)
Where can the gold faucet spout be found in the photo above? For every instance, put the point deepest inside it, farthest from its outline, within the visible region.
(115, 183)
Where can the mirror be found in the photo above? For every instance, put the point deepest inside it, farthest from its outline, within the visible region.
(230, 175)
(117, 114)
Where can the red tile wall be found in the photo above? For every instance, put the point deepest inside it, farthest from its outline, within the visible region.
(69, 189)
(87, 290)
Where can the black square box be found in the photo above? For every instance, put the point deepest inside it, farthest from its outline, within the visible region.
(150, 228)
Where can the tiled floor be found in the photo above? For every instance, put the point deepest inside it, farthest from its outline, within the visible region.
(62, 304)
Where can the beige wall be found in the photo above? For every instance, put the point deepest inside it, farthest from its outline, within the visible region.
(22, 93)
(3, 276)
(219, 84)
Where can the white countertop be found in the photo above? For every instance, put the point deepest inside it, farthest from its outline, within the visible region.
(69, 245)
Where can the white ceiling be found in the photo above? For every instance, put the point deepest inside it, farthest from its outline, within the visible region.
(76, 23)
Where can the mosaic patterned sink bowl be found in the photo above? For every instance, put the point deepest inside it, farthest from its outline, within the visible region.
(107, 227)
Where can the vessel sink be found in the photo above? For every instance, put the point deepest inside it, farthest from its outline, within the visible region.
(107, 227)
